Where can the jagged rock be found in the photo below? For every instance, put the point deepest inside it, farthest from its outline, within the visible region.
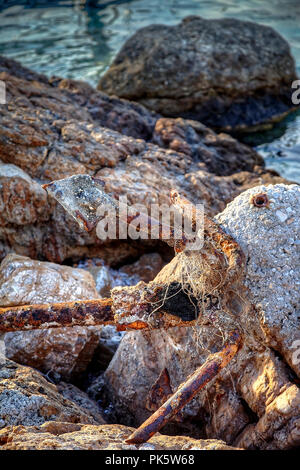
(69, 436)
(63, 352)
(146, 268)
(68, 99)
(254, 402)
(226, 73)
(218, 153)
(27, 398)
(51, 129)
(26, 281)
(17, 187)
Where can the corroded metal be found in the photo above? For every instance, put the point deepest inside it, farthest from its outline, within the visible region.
(82, 196)
(260, 200)
(187, 390)
(82, 313)
(220, 239)
(160, 391)
(79, 313)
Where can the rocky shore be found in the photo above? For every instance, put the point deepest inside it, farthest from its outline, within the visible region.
(55, 128)
(88, 387)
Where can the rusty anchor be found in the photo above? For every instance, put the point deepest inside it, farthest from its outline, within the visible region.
(81, 195)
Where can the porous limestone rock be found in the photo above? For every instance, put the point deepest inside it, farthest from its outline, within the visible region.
(270, 238)
(226, 73)
(80, 398)
(28, 399)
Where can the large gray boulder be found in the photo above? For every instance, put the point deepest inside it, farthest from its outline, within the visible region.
(225, 73)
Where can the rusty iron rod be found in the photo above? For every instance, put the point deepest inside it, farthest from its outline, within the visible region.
(187, 390)
(80, 313)
(77, 313)
(214, 233)
(81, 189)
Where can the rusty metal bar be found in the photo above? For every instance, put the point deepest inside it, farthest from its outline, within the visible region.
(177, 243)
(187, 390)
(214, 233)
(79, 313)
(82, 196)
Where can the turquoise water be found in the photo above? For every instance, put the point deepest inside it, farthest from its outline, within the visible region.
(79, 39)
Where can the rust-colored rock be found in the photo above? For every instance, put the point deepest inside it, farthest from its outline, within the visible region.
(51, 129)
(218, 153)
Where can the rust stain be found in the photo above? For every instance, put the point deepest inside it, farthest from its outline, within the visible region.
(213, 232)
(81, 313)
(161, 390)
(88, 226)
(136, 325)
(260, 200)
(101, 311)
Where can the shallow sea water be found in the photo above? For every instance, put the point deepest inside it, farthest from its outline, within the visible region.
(79, 39)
